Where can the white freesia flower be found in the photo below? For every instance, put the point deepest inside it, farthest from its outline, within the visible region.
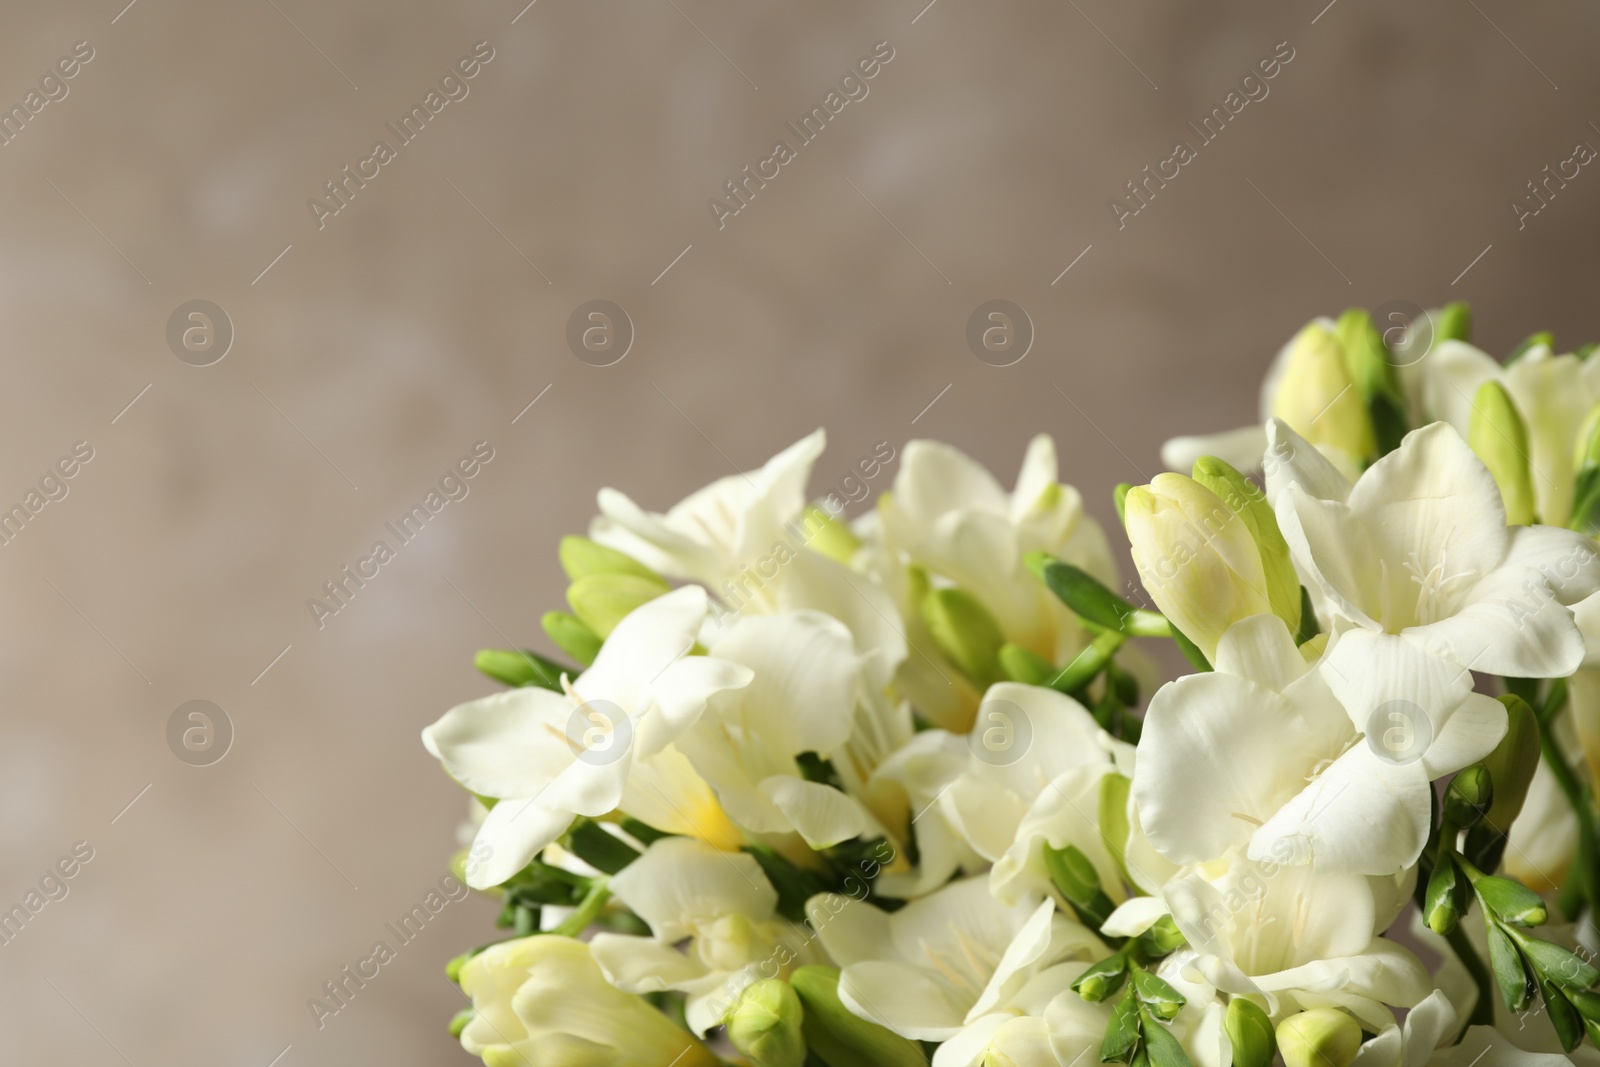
(949, 515)
(906, 790)
(1418, 550)
(715, 532)
(542, 1000)
(1043, 1024)
(1268, 753)
(548, 757)
(721, 906)
(1553, 395)
(806, 677)
(944, 961)
(1298, 939)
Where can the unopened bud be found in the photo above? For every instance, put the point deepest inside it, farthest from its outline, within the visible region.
(1247, 500)
(1453, 323)
(765, 1022)
(1367, 360)
(1469, 796)
(460, 1020)
(965, 632)
(1317, 398)
(1100, 980)
(1498, 434)
(1441, 908)
(1196, 558)
(840, 1037)
(581, 557)
(1512, 763)
(518, 667)
(1321, 1037)
(1161, 999)
(603, 600)
(829, 536)
(1250, 1032)
(571, 636)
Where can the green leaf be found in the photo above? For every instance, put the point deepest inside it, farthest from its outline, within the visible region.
(519, 667)
(1092, 601)
(599, 849)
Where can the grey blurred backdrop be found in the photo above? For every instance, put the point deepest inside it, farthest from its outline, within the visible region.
(372, 352)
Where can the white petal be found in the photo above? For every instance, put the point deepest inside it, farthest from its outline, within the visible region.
(1509, 629)
(1292, 460)
(1484, 1046)
(819, 813)
(851, 931)
(1451, 376)
(1362, 815)
(679, 694)
(628, 528)
(1333, 551)
(1377, 675)
(680, 882)
(936, 478)
(514, 831)
(644, 643)
(1436, 519)
(805, 674)
(642, 965)
(1550, 394)
(1219, 755)
(1134, 916)
(905, 999)
(1038, 473)
(1261, 649)
(511, 744)
(1565, 559)
(1241, 448)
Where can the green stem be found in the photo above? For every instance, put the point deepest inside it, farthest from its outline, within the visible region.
(1578, 797)
(1483, 1010)
(588, 909)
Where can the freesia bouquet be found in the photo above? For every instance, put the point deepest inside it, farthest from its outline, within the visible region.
(810, 791)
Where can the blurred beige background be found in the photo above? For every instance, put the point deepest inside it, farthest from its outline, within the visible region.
(433, 308)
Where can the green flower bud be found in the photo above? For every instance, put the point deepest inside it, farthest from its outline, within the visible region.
(519, 667)
(603, 600)
(1020, 665)
(1543, 338)
(1453, 323)
(765, 1022)
(1499, 436)
(1368, 362)
(1163, 1001)
(571, 636)
(460, 1020)
(965, 632)
(1469, 796)
(1162, 938)
(829, 536)
(1321, 1037)
(1441, 908)
(1250, 1032)
(1246, 500)
(1197, 558)
(838, 1036)
(1119, 497)
(1510, 974)
(1552, 963)
(1585, 515)
(452, 970)
(581, 557)
(1512, 763)
(1318, 399)
(1510, 900)
(1078, 882)
(1100, 980)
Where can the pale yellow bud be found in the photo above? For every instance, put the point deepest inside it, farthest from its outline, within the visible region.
(1318, 399)
(1197, 558)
